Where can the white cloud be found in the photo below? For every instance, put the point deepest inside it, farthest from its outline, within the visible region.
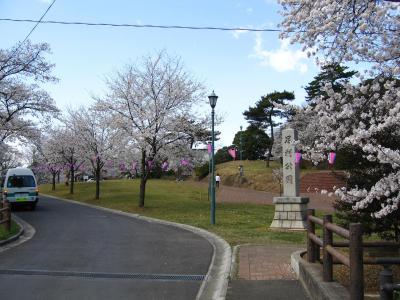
(283, 59)
(237, 33)
(249, 10)
(45, 1)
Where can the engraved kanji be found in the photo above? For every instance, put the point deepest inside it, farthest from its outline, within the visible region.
(289, 179)
(288, 152)
(288, 166)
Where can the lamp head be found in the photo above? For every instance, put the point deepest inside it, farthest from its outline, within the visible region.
(213, 99)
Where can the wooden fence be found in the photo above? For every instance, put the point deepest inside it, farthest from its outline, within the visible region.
(354, 260)
(5, 216)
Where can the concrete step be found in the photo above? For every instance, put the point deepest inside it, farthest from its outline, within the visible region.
(324, 180)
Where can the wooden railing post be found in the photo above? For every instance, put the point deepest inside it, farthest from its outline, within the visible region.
(7, 216)
(327, 259)
(311, 247)
(2, 214)
(356, 262)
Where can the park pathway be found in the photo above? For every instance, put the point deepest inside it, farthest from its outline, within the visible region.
(264, 271)
(244, 195)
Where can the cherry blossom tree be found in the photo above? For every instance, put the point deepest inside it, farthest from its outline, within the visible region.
(46, 157)
(353, 31)
(9, 158)
(69, 148)
(98, 139)
(365, 115)
(21, 70)
(150, 101)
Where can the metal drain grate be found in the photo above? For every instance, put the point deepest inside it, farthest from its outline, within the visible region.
(141, 276)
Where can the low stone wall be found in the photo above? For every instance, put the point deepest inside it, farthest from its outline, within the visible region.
(310, 276)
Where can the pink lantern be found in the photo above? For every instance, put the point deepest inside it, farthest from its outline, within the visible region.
(165, 166)
(150, 164)
(232, 152)
(331, 157)
(209, 148)
(184, 162)
(297, 157)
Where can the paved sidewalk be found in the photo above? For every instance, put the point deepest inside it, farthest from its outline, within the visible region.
(264, 272)
(266, 262)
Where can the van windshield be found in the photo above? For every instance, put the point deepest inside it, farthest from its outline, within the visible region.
(18, 181)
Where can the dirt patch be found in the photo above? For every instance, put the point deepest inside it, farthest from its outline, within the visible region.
(371, 276)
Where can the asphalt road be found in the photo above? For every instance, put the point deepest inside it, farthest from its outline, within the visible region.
(80, 252)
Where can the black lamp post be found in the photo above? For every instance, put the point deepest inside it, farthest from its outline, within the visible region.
(213, 102)
(241, 141)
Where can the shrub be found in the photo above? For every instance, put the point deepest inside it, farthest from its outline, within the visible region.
(202, 171)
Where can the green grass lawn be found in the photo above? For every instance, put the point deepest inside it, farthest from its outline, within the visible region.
(184, 202)
(5, 234)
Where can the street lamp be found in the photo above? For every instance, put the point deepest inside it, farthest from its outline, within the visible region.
(240, 153)
(213, 102)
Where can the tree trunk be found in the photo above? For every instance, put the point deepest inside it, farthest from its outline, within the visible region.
(272, 142)
(72, 174)
(97, 180)
(143, 179)
(396, 233)
(58, 176)
(53, 182)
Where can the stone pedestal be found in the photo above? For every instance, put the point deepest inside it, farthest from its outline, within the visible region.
(290, 213)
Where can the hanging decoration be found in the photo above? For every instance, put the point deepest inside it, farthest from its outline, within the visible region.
(297, 157)
(184, 162)
(165, 165)
(150, 164)
(331, 157)
(232, 152)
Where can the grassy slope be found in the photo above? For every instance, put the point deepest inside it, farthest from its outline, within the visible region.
(184, 202)
(257, 175)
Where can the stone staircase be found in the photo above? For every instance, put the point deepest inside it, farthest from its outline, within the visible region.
(323, 180)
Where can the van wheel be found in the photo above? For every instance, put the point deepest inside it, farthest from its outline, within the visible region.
(32, 206)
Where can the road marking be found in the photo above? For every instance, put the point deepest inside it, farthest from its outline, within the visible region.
(141, 276)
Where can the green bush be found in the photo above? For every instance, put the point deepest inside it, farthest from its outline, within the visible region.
(396, 295)
(222, 156)
(202, 170)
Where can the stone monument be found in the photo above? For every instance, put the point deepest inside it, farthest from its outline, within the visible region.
(290, 209)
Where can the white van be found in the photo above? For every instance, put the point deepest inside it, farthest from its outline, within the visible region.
(20, 186)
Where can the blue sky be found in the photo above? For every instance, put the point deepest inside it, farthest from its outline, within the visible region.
(239, 66)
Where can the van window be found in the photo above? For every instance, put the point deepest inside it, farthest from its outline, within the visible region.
(18, 181)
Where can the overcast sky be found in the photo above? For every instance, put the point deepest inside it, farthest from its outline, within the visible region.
(239, 66)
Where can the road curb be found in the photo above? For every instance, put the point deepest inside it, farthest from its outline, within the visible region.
(14, 237)
(235, 263)
(215, 284)
(25, 233)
